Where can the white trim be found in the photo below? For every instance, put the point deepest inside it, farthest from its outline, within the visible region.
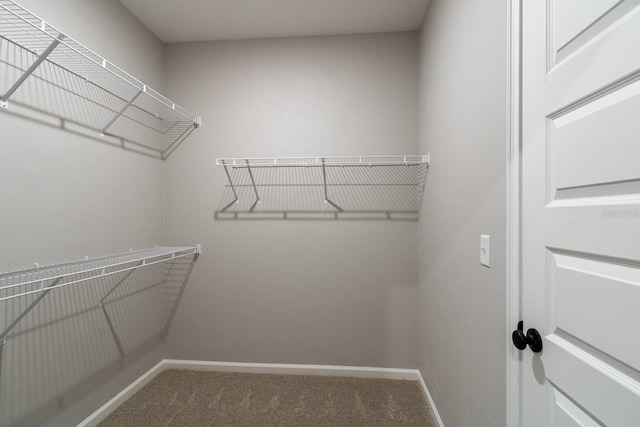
(513, 206)
(430, 402)
(292, 369)
(261, 368)
(106, 409)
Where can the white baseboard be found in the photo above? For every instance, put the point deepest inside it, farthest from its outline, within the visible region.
(259, 368)
(430, 401)
(106, 409)
(292, 369)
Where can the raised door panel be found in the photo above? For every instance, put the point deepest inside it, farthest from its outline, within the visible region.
(572, 17)
(568, 414)
(596, 301)
(597, 60)
(598, 142)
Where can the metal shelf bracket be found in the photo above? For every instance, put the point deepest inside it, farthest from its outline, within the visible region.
(235, 194)
(174, 308)
(122, 110)
(253, 182)
(4, 100)
(126, 276)
(324, 179)
(43, 292)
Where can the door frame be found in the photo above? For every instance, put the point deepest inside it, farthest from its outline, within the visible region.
(513, 206)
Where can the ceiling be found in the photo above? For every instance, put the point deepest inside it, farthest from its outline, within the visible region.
(201, 20)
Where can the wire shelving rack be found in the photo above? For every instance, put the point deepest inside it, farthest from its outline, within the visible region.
(338, 187)
(98, 94)
(38, 281)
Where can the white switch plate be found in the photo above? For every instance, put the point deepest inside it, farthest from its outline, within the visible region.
(485, 250)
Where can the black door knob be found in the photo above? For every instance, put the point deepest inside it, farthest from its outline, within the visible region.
(532, 339)
(519, 338)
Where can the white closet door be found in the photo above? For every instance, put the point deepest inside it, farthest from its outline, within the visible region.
(581, 212)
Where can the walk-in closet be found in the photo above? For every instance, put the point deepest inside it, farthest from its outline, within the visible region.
(323, 213)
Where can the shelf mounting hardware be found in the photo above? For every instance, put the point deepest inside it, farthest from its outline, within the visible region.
(4, 100)
(126, 276)
(122, 110)
(324, 179)
(253, 182)
(43, 292)
(174, 308)
(235, 194)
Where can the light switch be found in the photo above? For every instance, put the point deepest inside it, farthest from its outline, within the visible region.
(485, 250)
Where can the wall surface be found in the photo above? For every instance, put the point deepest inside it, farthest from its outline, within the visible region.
(70, 196)
(66, 196)
(320, 292)
(463, 71)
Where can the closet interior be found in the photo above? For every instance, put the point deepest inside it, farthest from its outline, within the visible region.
(281, 228)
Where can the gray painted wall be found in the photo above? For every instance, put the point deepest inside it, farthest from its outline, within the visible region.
(319, 292)
(71, 196)
(463, 71)
(65, 196)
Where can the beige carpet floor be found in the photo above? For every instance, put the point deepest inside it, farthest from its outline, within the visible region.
(192, 398)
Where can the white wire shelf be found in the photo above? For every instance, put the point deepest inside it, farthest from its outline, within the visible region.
(344, 187)
(36, 283)
(95, 92)
(39, 279)
(327, 161)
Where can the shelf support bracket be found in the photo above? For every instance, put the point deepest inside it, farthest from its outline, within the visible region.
(43, 293)
(174, 308)
(101, 302)
(327, 201)
(122, 110)
(106, 315)
(253, 182)
(4, 100)
(236, 201)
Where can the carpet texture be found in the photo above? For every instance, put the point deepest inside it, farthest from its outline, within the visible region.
(193, 398)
